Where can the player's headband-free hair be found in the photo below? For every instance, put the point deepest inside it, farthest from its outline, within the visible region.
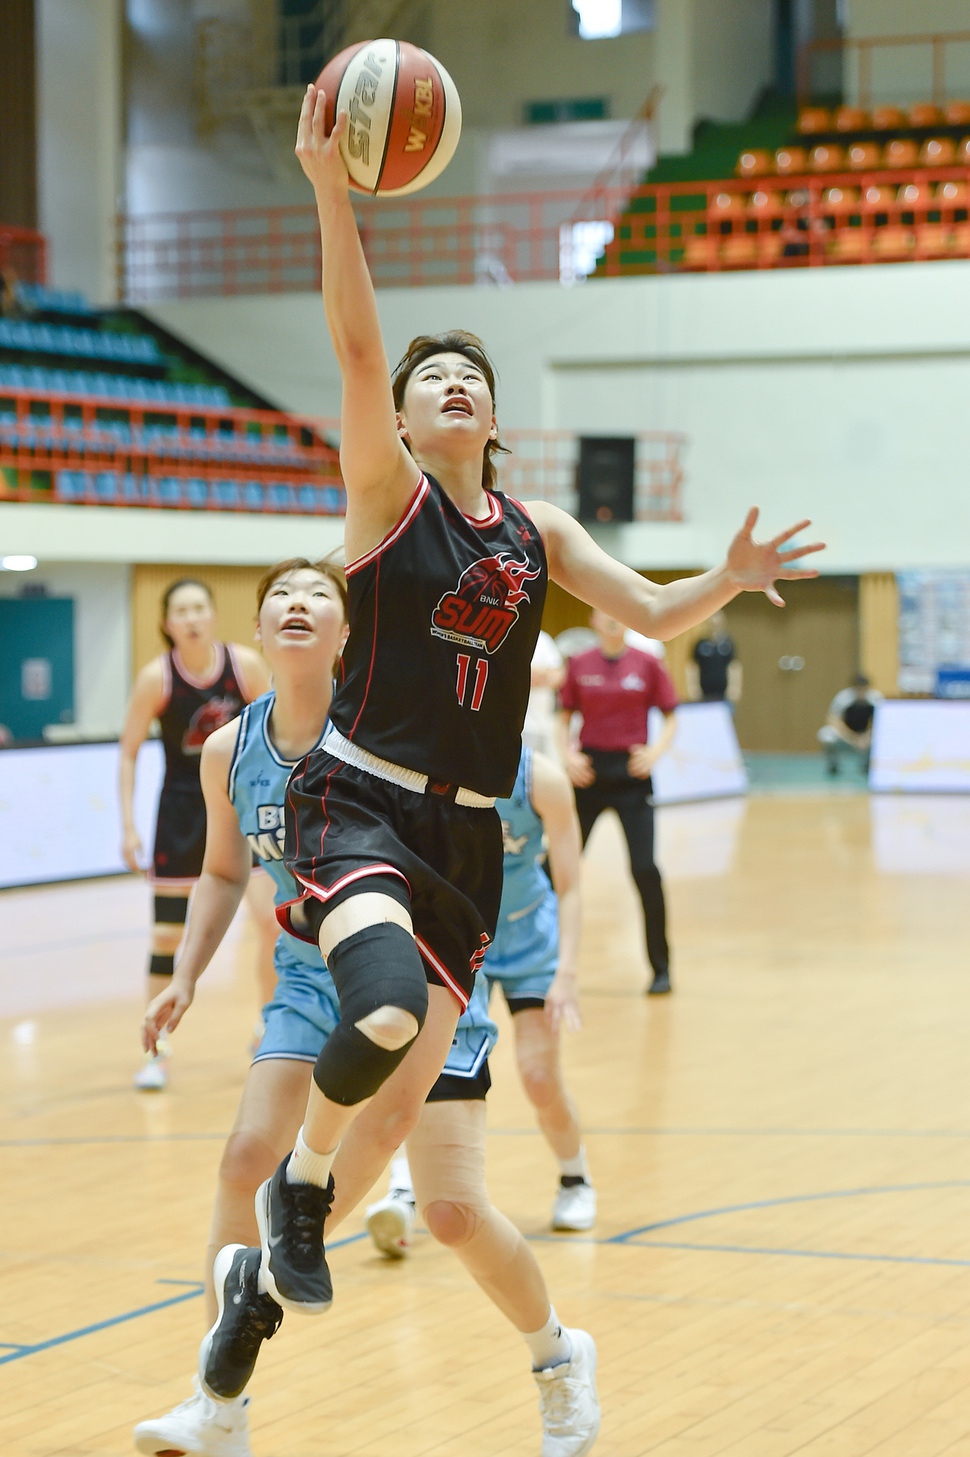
(170, 592)
(455, 341)
(326, 567)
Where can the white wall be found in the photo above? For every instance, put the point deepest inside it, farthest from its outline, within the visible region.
(835, 393)
(904, 74)
(79, 116)
(102, 643)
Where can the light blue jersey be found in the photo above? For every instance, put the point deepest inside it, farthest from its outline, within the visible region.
(305, 1010)
(525, 952)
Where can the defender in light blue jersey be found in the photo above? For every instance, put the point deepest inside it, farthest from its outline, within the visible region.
(245, 767)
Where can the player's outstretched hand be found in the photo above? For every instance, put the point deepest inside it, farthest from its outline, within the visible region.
(562, 1004)
(319, 154)
(164, 1013)
(757, 565)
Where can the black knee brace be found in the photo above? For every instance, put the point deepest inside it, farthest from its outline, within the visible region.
(161, 965)
(377, 967)
(171, 910)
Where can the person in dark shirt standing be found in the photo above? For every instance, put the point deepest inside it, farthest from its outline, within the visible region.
(715, 673)
(613, 687)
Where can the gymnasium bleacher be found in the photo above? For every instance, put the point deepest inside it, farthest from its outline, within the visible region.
(825, 185)
(137, 429)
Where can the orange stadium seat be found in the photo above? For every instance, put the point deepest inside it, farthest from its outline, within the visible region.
(770, 248)
(924, 113)
(951, 194)
(739, 252)
(848, 245)
(878, 198)
(933, 240)
(937, 152)
(851, 119)
(755, 162)
(826, 158)
(962, 158)
(900, 152)
(789, 160)
(893, 244)
(762, 204)
(864, 156)
(915, 196)
(887, 119)
(840, 201)
(725, 209)
(957, 113)
(813, 119)
(700, 251)
(960, 240)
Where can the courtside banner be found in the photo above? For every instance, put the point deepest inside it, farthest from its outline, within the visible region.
(704, 761)
(59, 814)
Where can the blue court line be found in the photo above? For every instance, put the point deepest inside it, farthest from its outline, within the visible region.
(788, 1199)
(17, 1353)
(660, 1244)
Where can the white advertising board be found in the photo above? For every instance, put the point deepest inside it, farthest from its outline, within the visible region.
(59, 816)
(921, 746)
(704, 761)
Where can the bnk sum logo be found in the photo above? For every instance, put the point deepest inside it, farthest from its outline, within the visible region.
(485, 606)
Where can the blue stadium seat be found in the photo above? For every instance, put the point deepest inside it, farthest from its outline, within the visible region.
(279, 496)
(107, 487)
(195, 492)
(224, 493)
(252, 494)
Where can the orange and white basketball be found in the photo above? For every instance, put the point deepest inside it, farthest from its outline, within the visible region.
(403, 112)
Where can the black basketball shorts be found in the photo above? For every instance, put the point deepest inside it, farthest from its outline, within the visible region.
(440, 860)
(179, 838)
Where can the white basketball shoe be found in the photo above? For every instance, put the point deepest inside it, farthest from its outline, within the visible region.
(568, 1402)
(390, 1222)
(574, 1207)
(200, 1427)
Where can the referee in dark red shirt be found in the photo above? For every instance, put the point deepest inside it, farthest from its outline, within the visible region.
(613, 687)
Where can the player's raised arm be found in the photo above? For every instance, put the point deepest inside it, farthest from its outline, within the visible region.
(583, 568)
(379, 474)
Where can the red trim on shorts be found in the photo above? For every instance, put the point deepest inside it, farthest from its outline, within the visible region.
(326, 892)
(422, 491)
(442, 971)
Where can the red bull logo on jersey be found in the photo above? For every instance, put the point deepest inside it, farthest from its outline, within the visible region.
(484, 608)
(206, 720)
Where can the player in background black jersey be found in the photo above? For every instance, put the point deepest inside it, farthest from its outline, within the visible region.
(192, 689)
(389, 830)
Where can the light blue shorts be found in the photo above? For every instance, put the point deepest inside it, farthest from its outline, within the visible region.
(304, 1010)
(524, 956)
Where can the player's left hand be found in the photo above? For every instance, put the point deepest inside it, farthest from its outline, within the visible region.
(562, 1005)
(756, 565)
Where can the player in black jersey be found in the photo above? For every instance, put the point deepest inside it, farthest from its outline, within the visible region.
(192, 689)
(391, 833)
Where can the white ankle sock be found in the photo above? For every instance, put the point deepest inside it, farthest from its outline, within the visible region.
(576, 1168)
(308, 1167)
(400, 1175)
(550, 1346)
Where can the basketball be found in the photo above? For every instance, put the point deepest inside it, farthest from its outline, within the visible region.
(403, 111)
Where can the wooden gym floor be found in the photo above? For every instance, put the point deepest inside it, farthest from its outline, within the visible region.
(782, 1150)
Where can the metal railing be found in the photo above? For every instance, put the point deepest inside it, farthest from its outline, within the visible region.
(810, 220)
(59, 448)
(409, 243)
(863, 50)
(23, 253)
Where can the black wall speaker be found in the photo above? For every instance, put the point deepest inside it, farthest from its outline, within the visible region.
(604, 478)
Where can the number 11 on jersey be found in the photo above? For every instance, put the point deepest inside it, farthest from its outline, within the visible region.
(480, 676)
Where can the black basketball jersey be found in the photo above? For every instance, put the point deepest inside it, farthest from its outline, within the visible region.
(444, 617)
(193, 710)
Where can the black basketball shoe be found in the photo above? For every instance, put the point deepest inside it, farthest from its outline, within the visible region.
(246, 1318)
(291, 1219)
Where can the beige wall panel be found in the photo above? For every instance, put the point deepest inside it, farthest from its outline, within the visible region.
(234, 589)
(879, 630)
